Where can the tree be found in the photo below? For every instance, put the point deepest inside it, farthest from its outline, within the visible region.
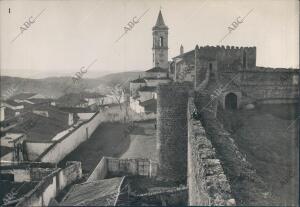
(100, 101)
(117, 93)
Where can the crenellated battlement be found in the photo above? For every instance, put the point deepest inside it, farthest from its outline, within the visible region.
(228, 58)
(226, 48)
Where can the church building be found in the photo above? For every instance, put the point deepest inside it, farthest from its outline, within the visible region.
(228, 73)
(143, 89)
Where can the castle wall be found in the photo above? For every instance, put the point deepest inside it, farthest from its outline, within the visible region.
(249, 188)
(172, 130)
(222, 59)
(229, 58)
(207, 182)
(271, 92)
(255, 83)
(261, 76)
(263, 85)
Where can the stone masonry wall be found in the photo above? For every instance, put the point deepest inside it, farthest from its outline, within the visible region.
(247, 186)
(172, 131)
(227, 59)
(207, 182)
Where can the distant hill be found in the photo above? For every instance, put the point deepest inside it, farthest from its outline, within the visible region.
(57, 86)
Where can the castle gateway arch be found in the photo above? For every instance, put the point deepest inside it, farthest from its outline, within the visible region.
(231, 101)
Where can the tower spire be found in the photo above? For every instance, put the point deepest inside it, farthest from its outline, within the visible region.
(160, 23)
(160, 43)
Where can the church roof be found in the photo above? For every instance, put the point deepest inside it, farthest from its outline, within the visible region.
(23, 96)
(148, 89)
(184, 54)
(157, 70)
(139, 80)
(160, 24)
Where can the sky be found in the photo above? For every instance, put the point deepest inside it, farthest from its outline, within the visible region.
(70, 34)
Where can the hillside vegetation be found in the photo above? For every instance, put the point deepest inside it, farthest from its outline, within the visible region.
(268, 136)
(56, 86)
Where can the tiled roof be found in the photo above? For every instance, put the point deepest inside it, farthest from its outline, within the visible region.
(75, 110)
(184, 54)
(71, 100)
(10, 118)
(139, 80)
(40, 100)
(95, 193)
(157, 78)
(13, 103)
(91, 95)
(38, 127)
(157, 70)
(23, 96)
(148, 89)
(47, 108)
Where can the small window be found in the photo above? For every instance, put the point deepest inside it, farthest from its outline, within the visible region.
(244, 59)
(161, 41)
(210, 66)
(295, 79)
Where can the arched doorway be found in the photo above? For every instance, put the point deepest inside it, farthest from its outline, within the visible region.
(231, 101)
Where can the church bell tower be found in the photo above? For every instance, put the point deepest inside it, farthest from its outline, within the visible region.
(160, 43)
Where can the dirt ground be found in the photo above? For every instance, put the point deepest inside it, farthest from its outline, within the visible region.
(115, 140)
(109, 139)
(142, 141)
(268, 136)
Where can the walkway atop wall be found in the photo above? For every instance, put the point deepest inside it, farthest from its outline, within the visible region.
(247, 187)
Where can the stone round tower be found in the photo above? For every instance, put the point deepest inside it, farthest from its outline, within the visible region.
(172, 101)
